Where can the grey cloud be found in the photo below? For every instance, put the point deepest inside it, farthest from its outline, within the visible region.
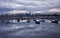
(35, 7)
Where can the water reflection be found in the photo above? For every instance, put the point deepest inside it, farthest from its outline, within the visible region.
(29, 30)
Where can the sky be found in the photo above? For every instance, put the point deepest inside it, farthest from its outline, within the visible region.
(27, 6)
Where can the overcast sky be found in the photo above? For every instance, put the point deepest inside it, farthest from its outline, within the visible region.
(18, 6)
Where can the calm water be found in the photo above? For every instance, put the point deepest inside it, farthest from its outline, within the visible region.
(29, 30)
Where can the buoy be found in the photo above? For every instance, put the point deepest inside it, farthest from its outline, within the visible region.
(18, 20)
(28, 21)
(55, 21)
(37, 21)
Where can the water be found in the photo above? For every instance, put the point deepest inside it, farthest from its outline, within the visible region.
(29, 30)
